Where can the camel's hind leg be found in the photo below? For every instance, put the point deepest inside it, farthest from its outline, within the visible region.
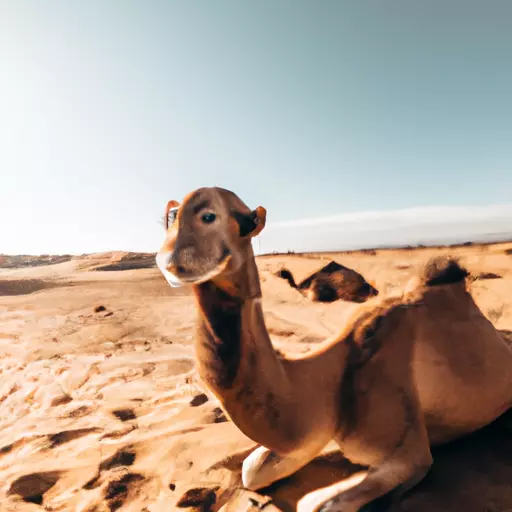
(389, 436)
(264, 467)
(361, 489)
(399, 472)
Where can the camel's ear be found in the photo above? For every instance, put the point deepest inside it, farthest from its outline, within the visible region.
(251, 225)
(170, 213)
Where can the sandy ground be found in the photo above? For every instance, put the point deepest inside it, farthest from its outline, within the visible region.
(102, 410)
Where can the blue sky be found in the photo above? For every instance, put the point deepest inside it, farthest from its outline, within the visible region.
(312, 109)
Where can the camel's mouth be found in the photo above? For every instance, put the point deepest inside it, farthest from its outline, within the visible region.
(221, 266)
(176, 281)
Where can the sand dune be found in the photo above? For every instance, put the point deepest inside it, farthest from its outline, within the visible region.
(101, 408)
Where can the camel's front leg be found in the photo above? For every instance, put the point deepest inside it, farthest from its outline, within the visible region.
(400, 472)
(264, 467)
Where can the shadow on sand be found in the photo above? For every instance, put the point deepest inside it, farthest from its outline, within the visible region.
(23, 286)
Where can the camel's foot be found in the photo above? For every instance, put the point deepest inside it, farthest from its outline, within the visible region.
(264, 467)
(249, 501)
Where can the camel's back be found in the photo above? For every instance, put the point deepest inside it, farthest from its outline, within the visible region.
(462, 365)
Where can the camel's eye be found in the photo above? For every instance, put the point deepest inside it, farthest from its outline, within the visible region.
(208, 218)
(171, 216)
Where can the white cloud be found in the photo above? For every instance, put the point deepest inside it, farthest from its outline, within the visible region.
(428, 225)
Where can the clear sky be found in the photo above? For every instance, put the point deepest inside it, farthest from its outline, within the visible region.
(109, 108)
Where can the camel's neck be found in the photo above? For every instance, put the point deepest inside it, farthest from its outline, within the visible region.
(232, 336)
(235, 356)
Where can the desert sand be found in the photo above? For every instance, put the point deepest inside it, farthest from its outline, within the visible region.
(101, 408)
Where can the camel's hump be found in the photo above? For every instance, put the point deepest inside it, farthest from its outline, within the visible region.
(443, 270)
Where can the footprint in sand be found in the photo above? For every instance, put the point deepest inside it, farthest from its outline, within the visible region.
(31, 488)
(125, 414)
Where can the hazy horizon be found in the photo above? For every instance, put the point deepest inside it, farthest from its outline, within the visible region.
(313, 110)
(369, 230)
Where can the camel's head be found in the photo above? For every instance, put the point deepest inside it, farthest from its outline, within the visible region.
(207, 235)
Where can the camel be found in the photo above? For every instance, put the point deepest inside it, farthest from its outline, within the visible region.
(332, 282)
(403, 375)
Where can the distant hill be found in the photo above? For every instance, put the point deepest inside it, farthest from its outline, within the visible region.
(24, 260)
(107, 261)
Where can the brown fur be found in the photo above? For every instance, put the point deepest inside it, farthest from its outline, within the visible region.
(219, 333)
(397, 379)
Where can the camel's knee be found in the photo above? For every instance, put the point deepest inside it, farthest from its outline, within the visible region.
(327, 498)
(417, 474)
(263, 467)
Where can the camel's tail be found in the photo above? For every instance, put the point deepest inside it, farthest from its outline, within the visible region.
(443, 270)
